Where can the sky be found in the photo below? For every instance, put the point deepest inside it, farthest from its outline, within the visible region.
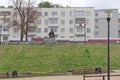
(97, 4)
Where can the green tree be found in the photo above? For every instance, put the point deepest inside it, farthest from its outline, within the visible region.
(2, 6)
(47, 4)
(10, 6)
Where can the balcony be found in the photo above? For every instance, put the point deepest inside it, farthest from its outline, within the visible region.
(78, 16)
(5, 16)
(80, 34)
(77, 25)
(56, 34)
(80, 25)
(53, 25)
(32, 33)
(5, 33)
(33, 23)
(96, 30)
(53, 17)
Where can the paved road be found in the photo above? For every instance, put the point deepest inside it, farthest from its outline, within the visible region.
(78, 77)
(67, 77)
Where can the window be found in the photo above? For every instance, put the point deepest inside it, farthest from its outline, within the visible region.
(78, 36)
(32, 29)
(62, 30)
(63, 14)
(0, 29)
(45, 29)
(118, 26)
(46, 22)
(53, 20)
(6, 13)
(15, 30)
(63, 22)
(62, 36)
(6, 28)
(71, 37)
(80, 20)
(6, 21)
(88, 13)
(80, 13)
(71, 21)
(96, 20)
(15, 22)
(96, 33)
(15, 13)
(46, 13)
(96, 27)
(55, 29)
(54, 13)
(79, 30)
(88, 30)
(96, 14)
(39, 21)
(5, 38)
(71, 30)
(71, 14)
(88, 21)
(39, 13)
(39, 30)
(45, 36)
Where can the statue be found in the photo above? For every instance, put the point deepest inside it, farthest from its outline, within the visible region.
(51, 34)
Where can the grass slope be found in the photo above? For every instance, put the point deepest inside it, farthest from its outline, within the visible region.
(50, 58)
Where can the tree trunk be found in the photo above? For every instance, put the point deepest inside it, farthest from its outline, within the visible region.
(26, 33)
(21, 35)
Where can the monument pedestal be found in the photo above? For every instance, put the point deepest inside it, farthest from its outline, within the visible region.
(50, 41)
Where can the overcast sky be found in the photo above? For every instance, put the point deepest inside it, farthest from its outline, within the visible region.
(98, 4)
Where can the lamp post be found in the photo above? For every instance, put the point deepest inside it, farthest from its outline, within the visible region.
(84, 26)
(108, 32)
(84, 33)
(0, 35)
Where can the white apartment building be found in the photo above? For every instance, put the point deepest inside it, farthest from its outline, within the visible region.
(119, 26)
(74, 24)
(5, 18)
(69, 23)
(101, 25)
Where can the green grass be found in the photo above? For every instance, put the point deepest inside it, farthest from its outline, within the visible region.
(57, 58)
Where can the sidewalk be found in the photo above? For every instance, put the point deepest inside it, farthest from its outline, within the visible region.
(66, 77)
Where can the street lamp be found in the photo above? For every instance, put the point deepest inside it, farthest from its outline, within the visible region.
(108, 32)
(84, 26)
(0, 35)
(84, 33)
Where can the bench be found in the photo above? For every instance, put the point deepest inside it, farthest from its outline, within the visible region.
(4, 75)
(88, 71)
(97, 70)
(99, 75)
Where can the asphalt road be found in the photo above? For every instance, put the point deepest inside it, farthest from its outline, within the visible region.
(66, 77)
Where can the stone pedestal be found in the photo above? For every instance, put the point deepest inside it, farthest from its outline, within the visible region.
(50, 41)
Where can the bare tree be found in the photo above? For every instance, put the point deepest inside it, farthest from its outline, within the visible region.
(25, 13)
(31, 16)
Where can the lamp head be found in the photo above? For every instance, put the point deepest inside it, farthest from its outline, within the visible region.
(109, 15)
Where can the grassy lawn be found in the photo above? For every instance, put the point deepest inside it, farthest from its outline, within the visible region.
(52, 58)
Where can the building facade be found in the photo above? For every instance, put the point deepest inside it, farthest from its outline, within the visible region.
(5, 23)
(69, 23)
(119, 27)
(101, 25)
(72, 24)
